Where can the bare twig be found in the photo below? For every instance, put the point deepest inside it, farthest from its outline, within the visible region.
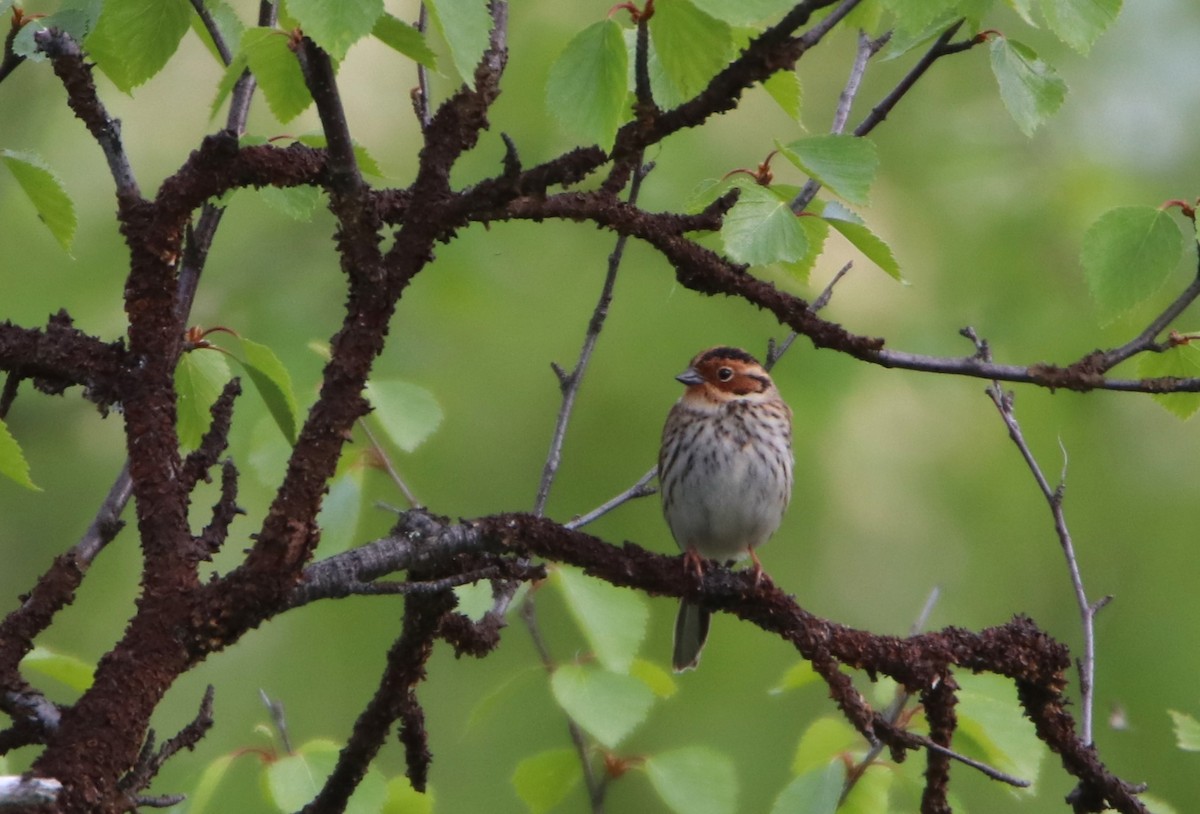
(1054, 499)
(421, 93)
(210, 25)
(386, 461)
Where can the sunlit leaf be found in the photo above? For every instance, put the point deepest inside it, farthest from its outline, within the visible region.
(1187, 731)
(660, 682)
(133, 39)
(336, 26)
(761, 228)
(800, 674)
(400, 36)
(465, 25)
(275, 67)
(785, 88)
(587, 87)
(1181, 361)
(46, 192)
(366, 161)
(12, 460)
(691, 45)
(408, 414)
(870, 793)
(228, 24)
(612, 619)
(694, 780)
(340, 513)
(608, 705)
(402, 798)
(542, 781)
(744, 12)
(202, 793)
(74, 672)
(824, 739)
(294, 780)
(297, 203)
(994, 728)
(845, 165)
(1128, 253)
(1030, 89)
(199, 378)
(869, 244)
(273, 383)
(814, 792)
(1079, 23)
(74, 17)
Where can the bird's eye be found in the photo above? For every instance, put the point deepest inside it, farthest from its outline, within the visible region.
(725, 374)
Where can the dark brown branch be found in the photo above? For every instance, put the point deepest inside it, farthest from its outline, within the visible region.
(151, 760)
(62, 356)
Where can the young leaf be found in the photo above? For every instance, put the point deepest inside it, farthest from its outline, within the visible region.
(761, 228)
(366, 161)
(694, 780)
(134, 39)
(1187, 731)
(465, 25)
(1079, 23)
(869, 244)
(814, 792)
(202, 793)
(273, 383)
(199, 377)
(336, 26)
(407, 413)
(691, 45)
(402, 798)
(228, 80)
(786, 90)
(846, 165)
(613, 619)
(294, 780)
(608, 705)
(74, 17)
(340, 512)
(12, 460)
(744, 12)
(1181, 361)
(75, 673)
(542, 781)
(912, 16)
(400, 36)
(297, 203)
(800, 674)
(816, 231)
(1127, 254)
(660, 682)
(228, 24)
(46, 192)
(1030, 89)
(277, 71)
(824, 739)
(991, 721)
(588, 84)
(870, 793)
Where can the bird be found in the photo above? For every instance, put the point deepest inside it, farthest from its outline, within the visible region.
(724, 472)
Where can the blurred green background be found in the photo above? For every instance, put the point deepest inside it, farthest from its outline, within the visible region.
(905, 481)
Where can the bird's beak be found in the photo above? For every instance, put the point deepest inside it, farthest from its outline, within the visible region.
(690, 377)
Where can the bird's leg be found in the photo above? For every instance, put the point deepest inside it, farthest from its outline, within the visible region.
(694, 562)
(759, 574)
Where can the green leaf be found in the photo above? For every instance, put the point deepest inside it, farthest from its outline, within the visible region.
(785, 88)
(228, 80)
(466, 27)
(691, 45)
(824, 739)
(74, 17)
(1187, 731)
(1030, 89)
(340, 513)
(12, 460)
(400, 36)
(46, 192)
(402, 798)
(75, 673)
(542, 781)
(800, 674)
(273, 383)
(228, 24)
(336, 26)
(912, 16)
(744, 12)
(134, 39)
(762, 229)
(869, 244)
(1156, 805)
(814, 792)
(1079, 23)
(994, 728)
(612, 619)
(608, 705)
(274, 65)
(694, 780)
(408, 414)
(202, 793)
(199, 377)
(846, 165)
(870, 793)
(1024, 9)
(366, 162)
(294, 780)
(660, 682)
(297, 203)
(588, 84)
(1181, 361)
(1128, 253)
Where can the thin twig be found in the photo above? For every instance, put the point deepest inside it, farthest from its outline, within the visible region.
(1146, 339)
(982, 767)
(421, 95)
(389, 467)
(210, 25)
(1054, 499)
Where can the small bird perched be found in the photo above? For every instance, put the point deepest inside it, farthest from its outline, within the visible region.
(724, 470)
